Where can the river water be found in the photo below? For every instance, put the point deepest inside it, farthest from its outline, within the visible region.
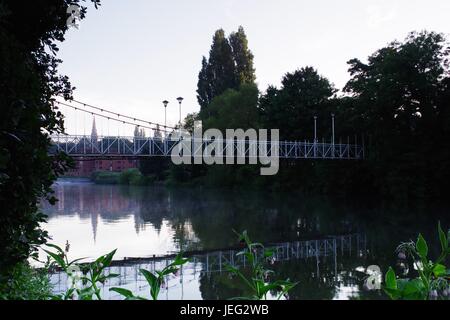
(323, 244)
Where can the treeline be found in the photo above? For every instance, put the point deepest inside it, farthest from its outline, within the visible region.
(397, 103)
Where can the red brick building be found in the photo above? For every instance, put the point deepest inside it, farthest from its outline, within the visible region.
(85, 167)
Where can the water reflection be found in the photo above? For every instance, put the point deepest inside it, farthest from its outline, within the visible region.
(207, 272)
(157, 221)
(153, 221)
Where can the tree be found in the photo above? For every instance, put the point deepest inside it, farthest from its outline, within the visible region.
(29, 81)
(189, 122)
(204, 90)
(400, 97)
(235, 109)
(219, 72)
(230, 65)
(243, 57)
(303, 95)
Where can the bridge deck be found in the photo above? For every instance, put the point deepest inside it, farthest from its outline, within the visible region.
(85, 147)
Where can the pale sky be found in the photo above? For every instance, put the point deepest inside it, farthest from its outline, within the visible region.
(128, 56)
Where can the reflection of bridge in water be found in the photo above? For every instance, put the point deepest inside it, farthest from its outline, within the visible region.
(217, 262)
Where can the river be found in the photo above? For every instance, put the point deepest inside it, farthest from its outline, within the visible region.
(323, 244)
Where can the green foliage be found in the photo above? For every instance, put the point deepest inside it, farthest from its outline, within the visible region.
(229, 66)
(106, 177)
(29, 81)
(234, 109)
(155, 280)
(189, 122)
(303, 95)
(27, 283)
(259, 282)
(397, 104)
(433, 280)
(131, 177)
(400, 101)
(86, 278)
(243, 57)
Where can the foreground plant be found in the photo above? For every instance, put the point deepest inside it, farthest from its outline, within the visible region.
(155, 280)
(434, 277)
(259, 282)
(85, 279)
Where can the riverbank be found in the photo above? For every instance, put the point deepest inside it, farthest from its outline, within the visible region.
(132, 177)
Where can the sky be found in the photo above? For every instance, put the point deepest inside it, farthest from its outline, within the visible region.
(129, 56)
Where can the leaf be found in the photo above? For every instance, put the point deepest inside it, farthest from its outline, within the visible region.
(391, 281)
(150, 277)
(422, 247)
(57, 258)
(412, 289)
(268, 253)
(442, 238)
(179, 260)
(439, 270)
(124, 292)
(108, 258)
(394, 294)
(75, 261)
(168, 270)
(54, 246)
(231, 269)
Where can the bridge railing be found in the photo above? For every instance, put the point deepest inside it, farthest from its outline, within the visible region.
(84, 146)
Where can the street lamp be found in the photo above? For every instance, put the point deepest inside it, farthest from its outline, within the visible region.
(165, 102)
(180, 100)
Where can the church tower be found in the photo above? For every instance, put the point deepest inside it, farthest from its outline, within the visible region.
(94, 135)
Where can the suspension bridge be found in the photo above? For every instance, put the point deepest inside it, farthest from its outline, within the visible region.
(162, 141)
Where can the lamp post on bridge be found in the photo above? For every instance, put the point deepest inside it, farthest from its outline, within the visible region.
(180, 100)
(165, 102)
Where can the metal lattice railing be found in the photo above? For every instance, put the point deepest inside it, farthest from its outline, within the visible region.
(84, 146)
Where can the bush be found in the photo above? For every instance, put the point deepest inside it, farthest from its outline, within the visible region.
(132, 177)
(105, 177)
(27, 283)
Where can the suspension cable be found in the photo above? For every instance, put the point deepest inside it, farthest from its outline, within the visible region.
(121, 115)
(113, 119)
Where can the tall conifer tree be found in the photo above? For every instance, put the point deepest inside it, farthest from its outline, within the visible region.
(230, 65)
(243, 57)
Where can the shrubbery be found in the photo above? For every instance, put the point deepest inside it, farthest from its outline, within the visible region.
(26, 283)
(131, 177)
(105, 177)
